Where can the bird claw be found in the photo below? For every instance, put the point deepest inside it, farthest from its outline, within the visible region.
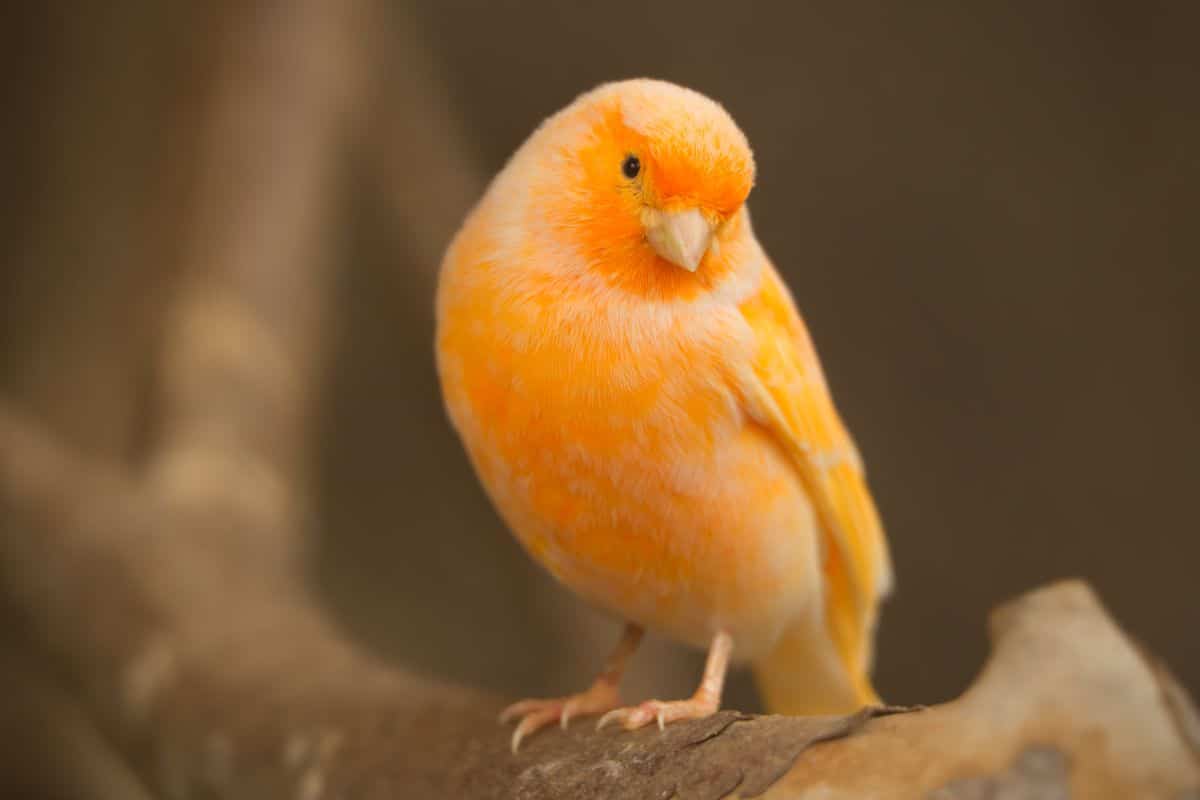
(659, 711)
(628, 718)
(531, 723)
(569, 708)
(538, 713)
(520, 709)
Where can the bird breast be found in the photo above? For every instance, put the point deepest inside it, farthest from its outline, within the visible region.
(610, 437)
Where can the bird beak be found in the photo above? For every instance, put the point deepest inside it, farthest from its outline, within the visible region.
(681, 237)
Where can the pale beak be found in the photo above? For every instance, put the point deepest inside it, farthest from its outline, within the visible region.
(681, 237)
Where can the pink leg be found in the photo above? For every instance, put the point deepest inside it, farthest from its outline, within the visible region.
(703, 703)
(598, 698)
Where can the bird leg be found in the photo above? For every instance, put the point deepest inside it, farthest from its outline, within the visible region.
(703, 703)
(601, 696)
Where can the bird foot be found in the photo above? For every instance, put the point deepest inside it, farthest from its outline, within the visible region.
(536, 714)
(662, 711)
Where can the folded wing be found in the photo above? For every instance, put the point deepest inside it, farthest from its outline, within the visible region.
(784, 390)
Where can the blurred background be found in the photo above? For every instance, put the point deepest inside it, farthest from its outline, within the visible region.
(987, 215)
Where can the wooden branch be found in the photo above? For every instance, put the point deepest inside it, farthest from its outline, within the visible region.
(244, 335)
(213, 680)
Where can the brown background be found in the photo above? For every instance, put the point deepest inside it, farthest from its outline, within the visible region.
(987, 216)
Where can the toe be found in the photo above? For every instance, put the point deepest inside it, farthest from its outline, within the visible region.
(656, 711)
(596, 700)
(683, 709)
(611, 716)
(628, 718)
(533, 722)
(569, 709)
(536, 714)
(520, 709)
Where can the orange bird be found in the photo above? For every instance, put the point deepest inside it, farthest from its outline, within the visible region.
(641, 401)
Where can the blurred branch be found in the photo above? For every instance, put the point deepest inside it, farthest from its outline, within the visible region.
(245, 691)
(86, 255)
(427, 173)
(244, 335)
(52, 749)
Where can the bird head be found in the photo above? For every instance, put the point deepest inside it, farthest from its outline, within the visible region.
(645, 181)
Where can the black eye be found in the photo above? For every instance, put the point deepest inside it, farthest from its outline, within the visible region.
(631, 166)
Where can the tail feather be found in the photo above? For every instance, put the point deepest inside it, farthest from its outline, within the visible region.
(806, 675)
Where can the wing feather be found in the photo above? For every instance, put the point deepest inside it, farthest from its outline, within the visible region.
(785, 391)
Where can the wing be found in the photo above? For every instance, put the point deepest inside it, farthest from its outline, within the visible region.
(785, 391)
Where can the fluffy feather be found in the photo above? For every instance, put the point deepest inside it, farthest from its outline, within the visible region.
(661, 440)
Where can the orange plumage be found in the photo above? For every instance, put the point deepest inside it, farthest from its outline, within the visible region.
(640, 398)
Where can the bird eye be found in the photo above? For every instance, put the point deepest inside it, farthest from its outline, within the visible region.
(631, 166)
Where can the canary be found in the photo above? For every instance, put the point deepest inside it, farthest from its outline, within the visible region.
(641, 401)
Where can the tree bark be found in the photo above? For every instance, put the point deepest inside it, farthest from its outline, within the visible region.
(218, 678)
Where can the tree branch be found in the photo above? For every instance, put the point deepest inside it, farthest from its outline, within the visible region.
(214, 680)
(52, 748)
(243, 342)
